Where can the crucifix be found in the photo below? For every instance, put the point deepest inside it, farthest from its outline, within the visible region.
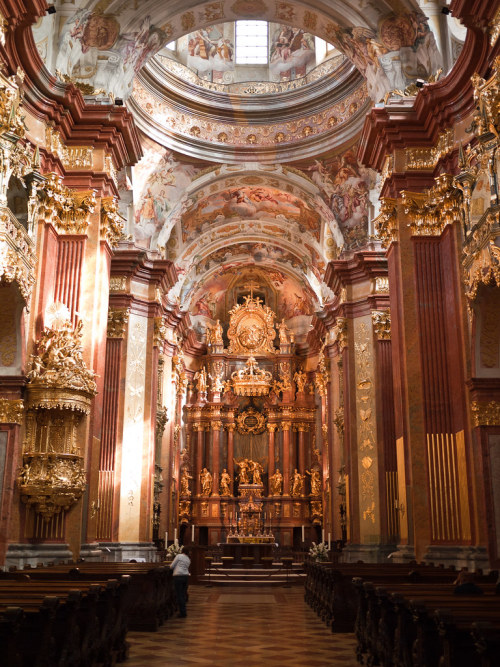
(251, 286)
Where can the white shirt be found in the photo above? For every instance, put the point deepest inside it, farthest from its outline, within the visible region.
(180, 565)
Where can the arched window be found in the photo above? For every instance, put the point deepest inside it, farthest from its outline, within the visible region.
(251, 42)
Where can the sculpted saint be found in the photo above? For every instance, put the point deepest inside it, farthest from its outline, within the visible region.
(217, 333)
(315, 482)
(201, 378)
(283, 332)
(225, 481)
(206, 482)
(243, 466)
(300, 379)
(256, 470)
(297, 483)
(276, 483)
(185, 490)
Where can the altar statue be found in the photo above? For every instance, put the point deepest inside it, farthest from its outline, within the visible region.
(217, 333)
(243, 466)
(300, 379)
(206, 482)
(185, 490)
(297, 483)
(201, 378)
(225, 481)
(276, 483)
(315, 482)
(256, 471)
(283, 332)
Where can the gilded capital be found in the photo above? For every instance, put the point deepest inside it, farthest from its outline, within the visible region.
(431, 211)
(381, 320)
(112, 223)
(285, 426)
(160, 331)
(11, 411)
(301, 427)
(486, 414)
(272, 428)
(117, 322)
(386, 223)
(67, 210)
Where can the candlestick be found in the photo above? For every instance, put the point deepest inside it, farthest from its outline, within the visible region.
(303, 536)
(192, 532)
(329, 541)
(323, 535)
(175, 536)
(166, 539)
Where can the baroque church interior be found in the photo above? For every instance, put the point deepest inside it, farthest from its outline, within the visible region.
(250, 279)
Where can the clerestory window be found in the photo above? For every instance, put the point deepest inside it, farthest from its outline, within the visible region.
(251, 39)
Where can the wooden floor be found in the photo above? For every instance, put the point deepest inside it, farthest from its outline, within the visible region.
(243, 627)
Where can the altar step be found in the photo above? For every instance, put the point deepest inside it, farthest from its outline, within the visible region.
(254, 576)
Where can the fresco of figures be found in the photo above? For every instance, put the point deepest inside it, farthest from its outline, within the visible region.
(345, 186)
(249, 203)
(402, 50)
(85, 43)
(160, 181)
(292, 300)
(209, 52)
(291, 54)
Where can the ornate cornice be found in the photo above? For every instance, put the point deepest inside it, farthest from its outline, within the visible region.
(428, 157)
(486, 414)
(117, 322)
(11, 411)
(381, 320)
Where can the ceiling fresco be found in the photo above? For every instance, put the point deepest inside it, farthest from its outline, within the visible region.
(106, 42)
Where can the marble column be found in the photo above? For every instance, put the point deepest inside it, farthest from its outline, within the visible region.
(230, 453)
(215, 427)
(301, 429)
(285, 427)
(271, 454)
(200, 430)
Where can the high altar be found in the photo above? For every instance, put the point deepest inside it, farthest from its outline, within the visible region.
(250, 467)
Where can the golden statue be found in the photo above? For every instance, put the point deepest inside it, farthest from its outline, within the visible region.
(315, 482)
(225, 481)
(201, 378)
(217, 333)
(276, 483)
(185, 490)
(283, 332)
(243, 465)
(206, 482)
(256, 471)
(297, 483)
(300, 379)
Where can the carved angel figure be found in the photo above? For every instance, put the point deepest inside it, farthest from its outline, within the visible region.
(283, 332)
(206, 482)
(276, 483)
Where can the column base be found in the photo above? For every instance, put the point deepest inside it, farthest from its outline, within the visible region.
(473, 558)
(20, 555)
(368, 553)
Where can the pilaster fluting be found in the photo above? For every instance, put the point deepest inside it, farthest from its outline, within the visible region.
(285, 427)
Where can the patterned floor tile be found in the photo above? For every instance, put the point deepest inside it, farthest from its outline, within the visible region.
(243, 628)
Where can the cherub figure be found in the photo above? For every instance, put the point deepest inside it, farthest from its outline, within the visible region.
(300, 379)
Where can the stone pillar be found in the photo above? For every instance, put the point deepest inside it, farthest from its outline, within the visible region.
(230, 453)
(200, 430)
(285, 427)
(271, 454)
(301, 429)
(215, 426)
